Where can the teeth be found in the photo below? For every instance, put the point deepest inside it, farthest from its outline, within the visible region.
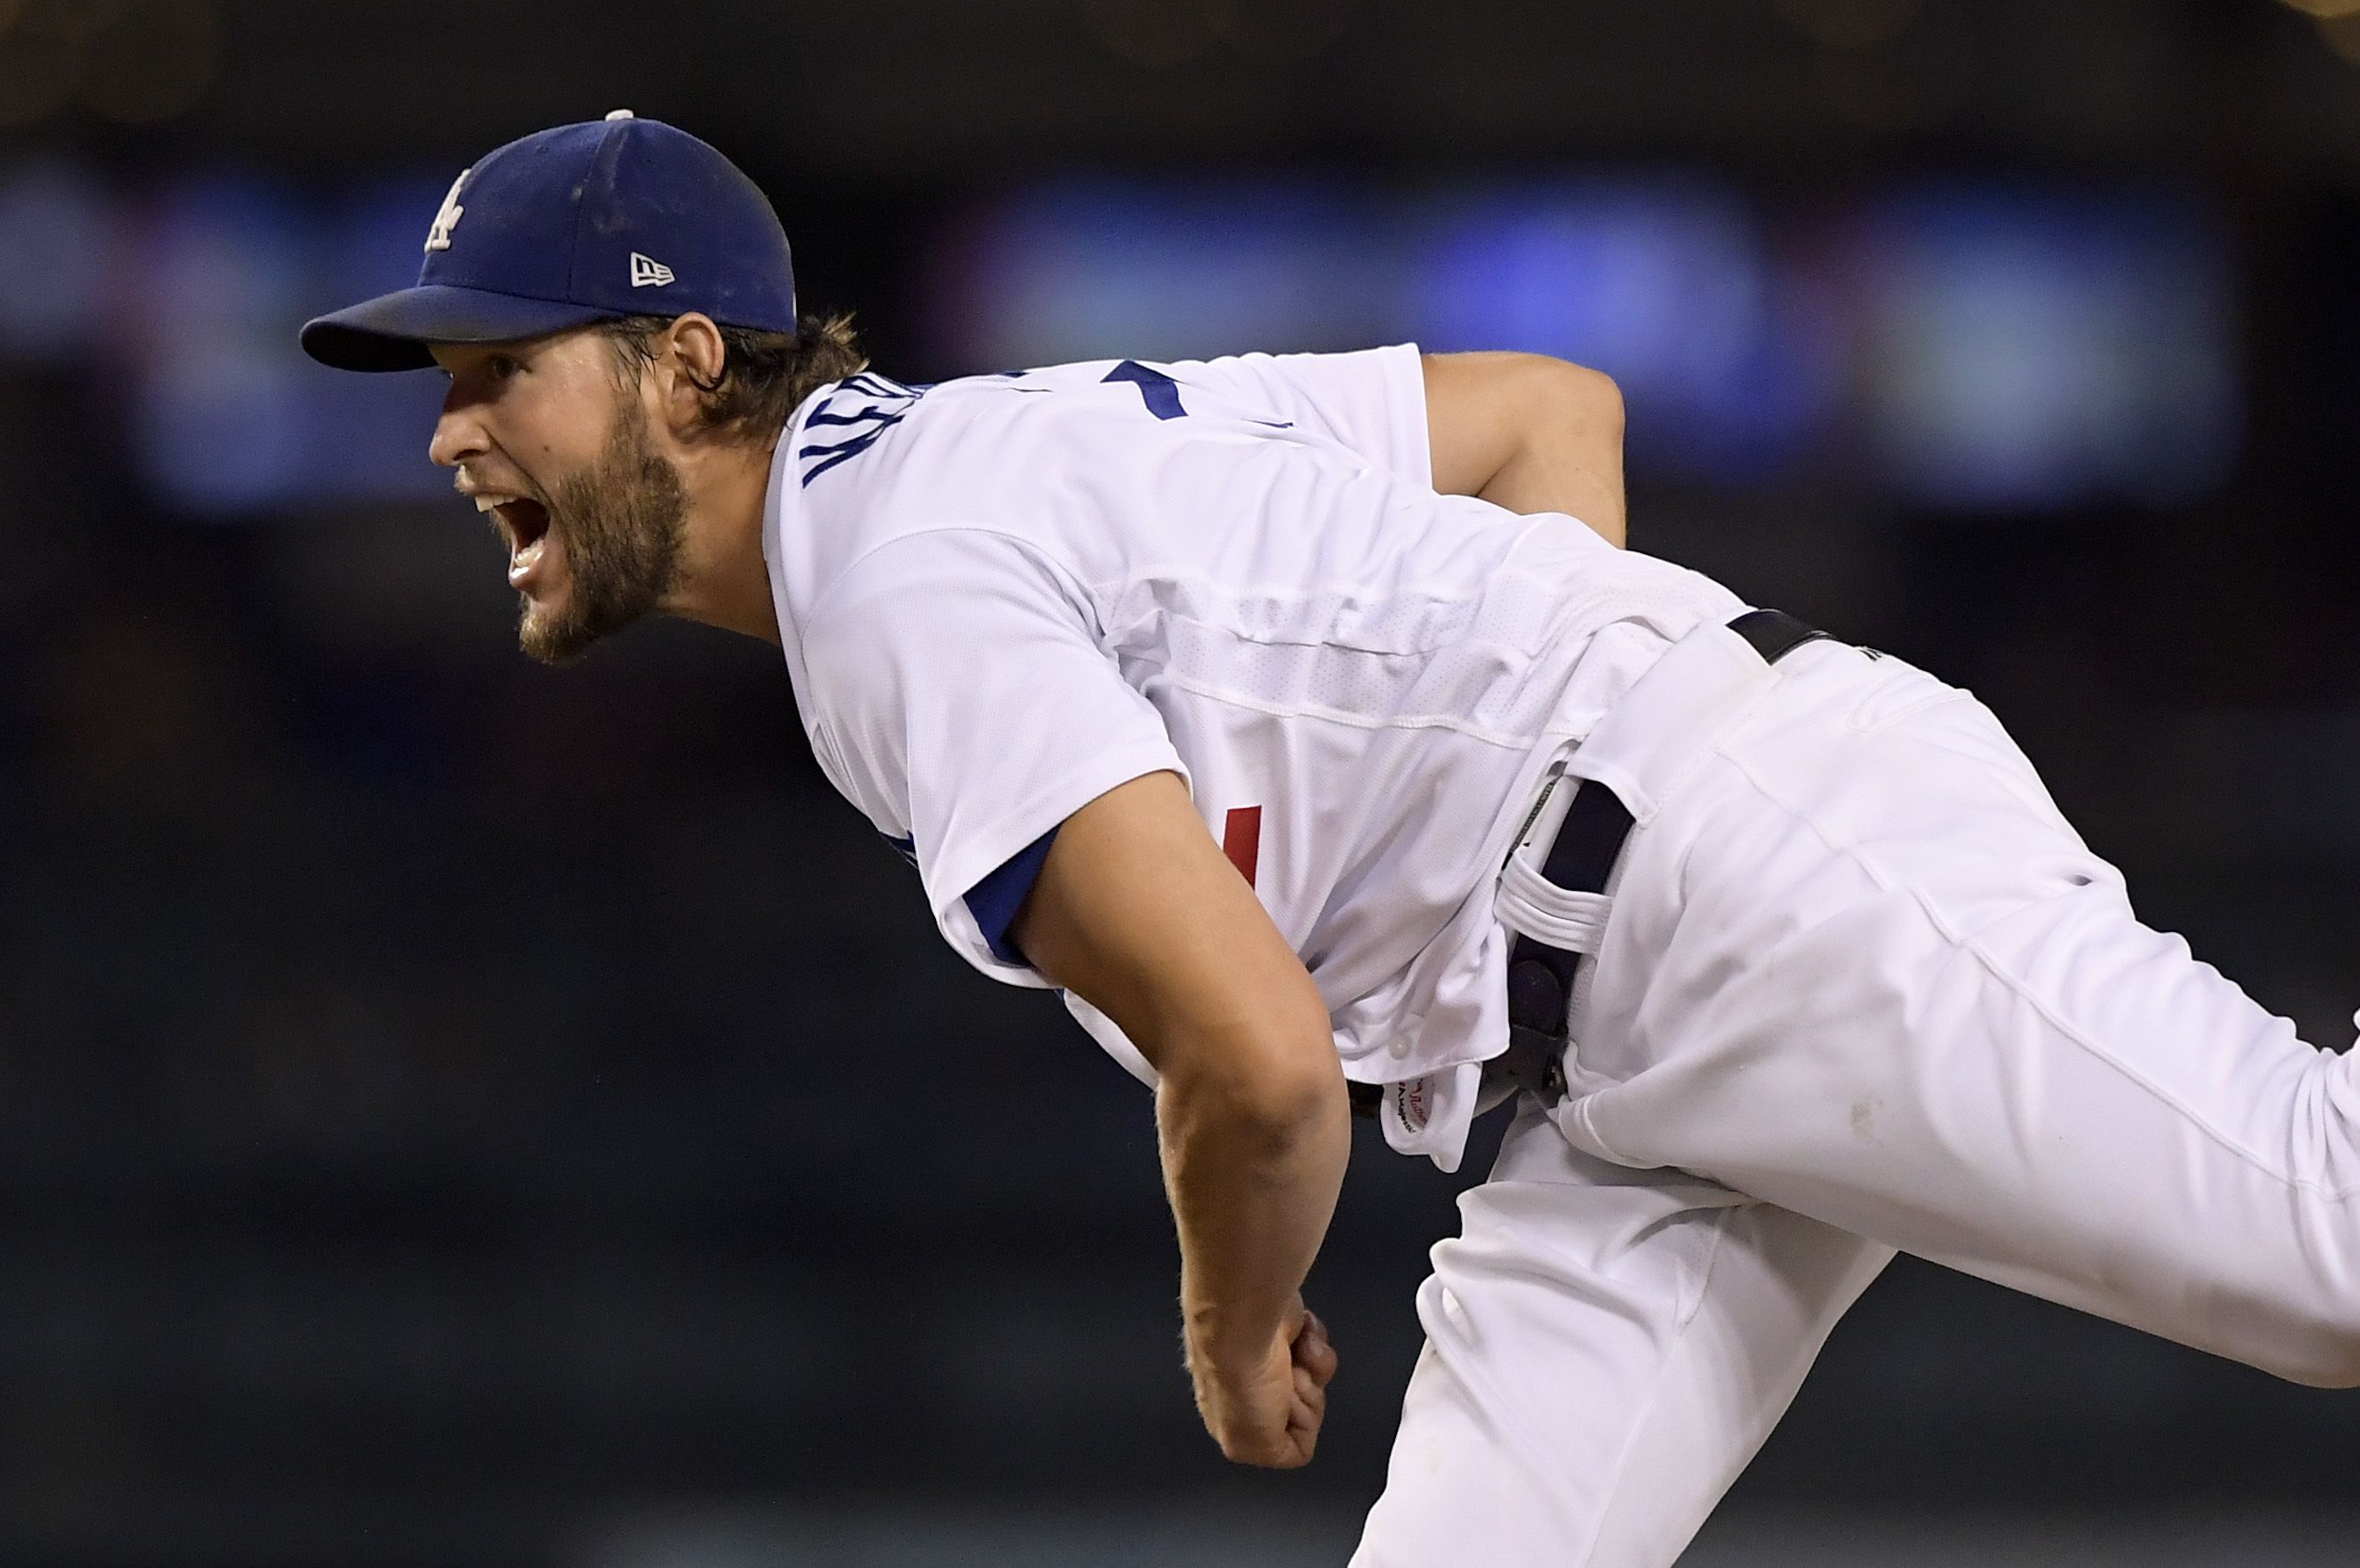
(485, 503)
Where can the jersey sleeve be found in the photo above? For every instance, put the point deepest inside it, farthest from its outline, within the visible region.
(969, 710)
(1370, 401)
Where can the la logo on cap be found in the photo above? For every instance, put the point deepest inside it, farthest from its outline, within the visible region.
(439, 236)
(646, 272)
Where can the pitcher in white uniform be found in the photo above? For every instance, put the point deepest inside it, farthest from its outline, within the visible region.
(1301, 720)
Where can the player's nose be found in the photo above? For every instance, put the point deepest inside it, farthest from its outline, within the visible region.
(458, 434)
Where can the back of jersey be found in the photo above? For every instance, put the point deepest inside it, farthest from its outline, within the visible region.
(1002, 597)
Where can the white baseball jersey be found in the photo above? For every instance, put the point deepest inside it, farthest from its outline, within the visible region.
(1002, 597)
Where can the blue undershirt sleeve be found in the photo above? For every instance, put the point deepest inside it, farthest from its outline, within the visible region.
(995, 901)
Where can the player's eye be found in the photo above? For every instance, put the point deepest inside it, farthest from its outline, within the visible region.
(501, 366)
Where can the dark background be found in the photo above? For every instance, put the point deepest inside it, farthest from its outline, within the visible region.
(455, 1113)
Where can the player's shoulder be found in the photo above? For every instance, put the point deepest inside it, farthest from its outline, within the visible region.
(876, 436)
(996, 441)
(846, 421)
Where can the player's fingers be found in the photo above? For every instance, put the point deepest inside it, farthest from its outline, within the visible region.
(1283, 1448)
(1289, 1443)
(1319, 1360)
(1303, 1428)
(1310, 1394)
(1313, 1353)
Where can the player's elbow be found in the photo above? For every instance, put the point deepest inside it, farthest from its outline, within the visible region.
(1568, 399)
(1307, 1092)
(1275, 1082)
(1290, 1087)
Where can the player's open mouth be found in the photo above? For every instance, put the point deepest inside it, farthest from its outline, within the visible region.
(525, 523)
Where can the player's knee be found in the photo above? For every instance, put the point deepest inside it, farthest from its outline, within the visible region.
(2320, 1348)
(2340, 1367)
(2323, 1372)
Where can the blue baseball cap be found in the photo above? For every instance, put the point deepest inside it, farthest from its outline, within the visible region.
(613, 217)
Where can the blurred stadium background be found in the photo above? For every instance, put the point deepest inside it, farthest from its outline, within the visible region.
(455, 1114)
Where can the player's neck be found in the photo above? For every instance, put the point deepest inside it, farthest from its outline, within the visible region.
(725, 582)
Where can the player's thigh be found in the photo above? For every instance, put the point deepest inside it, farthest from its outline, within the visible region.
(1605, 1351)
(1897, 994)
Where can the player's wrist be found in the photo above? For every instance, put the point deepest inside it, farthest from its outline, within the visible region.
(1235, 1324)
(1233, 1342)
(1228, 1358)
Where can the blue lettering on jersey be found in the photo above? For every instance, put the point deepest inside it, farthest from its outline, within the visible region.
(868, 405)
(1156, 389)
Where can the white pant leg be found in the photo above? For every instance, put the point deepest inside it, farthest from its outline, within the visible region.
(1605, 1350)
(1859, 967)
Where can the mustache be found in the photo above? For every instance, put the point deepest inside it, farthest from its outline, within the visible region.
(466, 482)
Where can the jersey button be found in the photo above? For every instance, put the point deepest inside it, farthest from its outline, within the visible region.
(1398, 1049)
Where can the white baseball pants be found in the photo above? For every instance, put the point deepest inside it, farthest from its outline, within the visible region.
(1860, 988)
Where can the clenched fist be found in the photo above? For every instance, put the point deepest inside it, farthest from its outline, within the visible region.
(1268, 1412)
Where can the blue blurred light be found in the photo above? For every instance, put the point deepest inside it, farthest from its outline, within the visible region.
(218, 419)
(230, 419)
(1665, 284)
(1109, 268)
(221, 434)
(2029, 351)
(57, 235)
(1642, 281)
(2006, 349)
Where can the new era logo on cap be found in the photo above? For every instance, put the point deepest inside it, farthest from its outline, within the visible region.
(646, 271)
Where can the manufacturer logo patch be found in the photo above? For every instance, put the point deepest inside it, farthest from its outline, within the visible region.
(447, 218)
(647, 272)
(1412, 1102)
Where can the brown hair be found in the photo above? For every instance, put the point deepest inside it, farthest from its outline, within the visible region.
(764, 375)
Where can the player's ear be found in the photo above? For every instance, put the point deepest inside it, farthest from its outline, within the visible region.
(689, 369)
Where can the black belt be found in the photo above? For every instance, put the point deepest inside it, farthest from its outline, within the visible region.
(1589, 842)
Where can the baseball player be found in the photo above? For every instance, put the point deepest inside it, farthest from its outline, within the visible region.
(1278, 711)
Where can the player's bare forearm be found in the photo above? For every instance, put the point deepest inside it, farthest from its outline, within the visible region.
(1529, 433)
(1254, 1180)
(1138, 911)
(1253, 1183)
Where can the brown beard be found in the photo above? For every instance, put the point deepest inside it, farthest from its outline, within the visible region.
(622, 518)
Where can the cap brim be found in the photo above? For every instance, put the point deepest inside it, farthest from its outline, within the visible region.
(392, 331)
